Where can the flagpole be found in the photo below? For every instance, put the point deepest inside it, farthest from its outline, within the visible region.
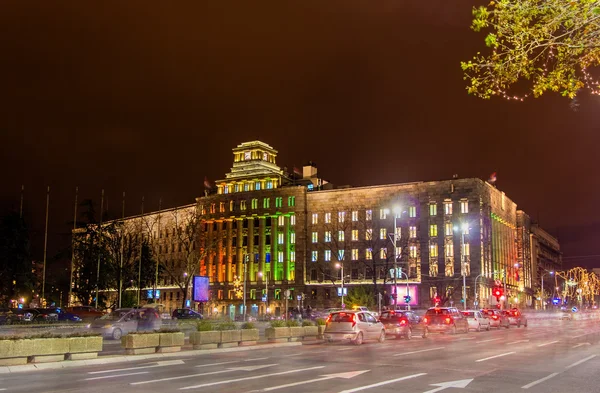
(122, 250)
(139, 283)
(45, 248)
(69, 302)
(100, 239)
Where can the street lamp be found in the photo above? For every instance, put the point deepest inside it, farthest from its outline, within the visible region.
(341, 266)
(543, 274)
(463, 263)
(394, 239)
(266, 277)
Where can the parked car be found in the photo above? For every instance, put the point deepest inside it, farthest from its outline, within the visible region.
(444, 320)
(58, 314)
(477, 320)
(401, 323)
(125, 320)
(7, 317)
(497, 319)
(85, 312)
(25, 314)
(515, 317)
(186, 313)
(353, 326)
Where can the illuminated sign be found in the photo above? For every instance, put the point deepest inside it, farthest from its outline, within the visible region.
(149, 294)
(200, 289)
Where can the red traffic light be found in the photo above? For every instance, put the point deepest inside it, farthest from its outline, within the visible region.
(497, 292)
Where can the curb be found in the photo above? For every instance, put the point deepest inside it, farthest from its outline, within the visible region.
(125, 358)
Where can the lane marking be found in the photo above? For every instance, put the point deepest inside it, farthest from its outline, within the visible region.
(467, 338)
(345, 349)
(249, 378)
(358, 389)
(115, 376)
(581, 361)
(160, 364)
(422, 350)
(516, 342)
(580, 335)
(539, 381)
(295, 354)
(551, 342)
(217, 364)
(181, 377)
(319, 352)
(494, 357)
(487, 341)
(581, 344)
(347, 375)
(251, 360)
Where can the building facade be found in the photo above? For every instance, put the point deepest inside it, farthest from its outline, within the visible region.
(296, 240)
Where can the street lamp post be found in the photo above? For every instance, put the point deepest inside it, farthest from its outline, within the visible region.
(265, 275)
(341, 266)
(542, 289)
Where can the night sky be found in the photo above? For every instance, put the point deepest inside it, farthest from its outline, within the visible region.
(127, 96)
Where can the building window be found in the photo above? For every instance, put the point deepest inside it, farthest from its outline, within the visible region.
(382, 214)
(231, 206)
(281, 220)
(465, 229)
(314, 256)
(368, 215)
(327, 218)
(315, 218)
(369, 234)
(221, 207)
(448, 208)
(292, 256)
(341, 236)
(433, 230)
(464, 207)
(280, 238)
(448, 229)
(355, 254)
(243, 205)
(315, 237)
(398, 251)
(341, 216)
(412, 211)
(369, 254)
(341, 254)
(202, 211)
(466, 249)
(327, 255)
(291, 201)
(355, 215)
(355, 235)
(292, 237)
(398, 232)
(269, 184)
(280, 256)
(266, 202)
(246, 187)
(382, 233)
(433, 209)
(254, 203)
(413, 232)
(226, 190)
(382, 253)
(449, 250)
(257, 185)
(236, 188)
(279, 202)
(213, 208)
(413, 251)
(327, 236)
(293, 219)
(433, 250)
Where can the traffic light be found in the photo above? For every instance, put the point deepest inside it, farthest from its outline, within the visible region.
(407, 298)
(437, 299)
(497, 292)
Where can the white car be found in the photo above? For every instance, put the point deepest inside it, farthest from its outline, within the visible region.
(353, 326)
(477, 320)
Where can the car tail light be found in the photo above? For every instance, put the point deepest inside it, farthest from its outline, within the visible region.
(402, 322)
(494, 317)
(425, 320)
(328, 319)
(353, 320)
(448, 320)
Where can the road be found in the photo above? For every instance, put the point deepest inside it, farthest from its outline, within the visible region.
(533, 359)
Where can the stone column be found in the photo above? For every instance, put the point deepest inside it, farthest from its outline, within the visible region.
(210, 255)
(239, 244)
(262, 237)
(274, 249)
(286, 248)
(220, 275)
(229, 251)
(250, 251)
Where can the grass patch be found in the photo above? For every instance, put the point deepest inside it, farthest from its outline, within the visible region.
(308, 323)
(320, 322)
(248, 325)
(204, 326)
(278, 323)
(226, 326)
(293, 323)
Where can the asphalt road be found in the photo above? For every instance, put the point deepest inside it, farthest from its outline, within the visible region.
(534, 359)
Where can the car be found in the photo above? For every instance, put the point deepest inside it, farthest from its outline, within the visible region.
(477, 320)
(497, 319)
(185, 313)
(444, 320)
(54, 314)
(25, 314)
(515, 317)
(353, 326)
(363, 308)
(85, 312)
(400, 323)
(126, 320)
(7, 317)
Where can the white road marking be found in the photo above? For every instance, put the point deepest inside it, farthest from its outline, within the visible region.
(160, 364)
(487, 341)
(544, 344)
(295, 354)
(539, 381)
(461, 384)
(516, 342)
(494, 357)
(358, 389)
(347, 375)
(217, 364)
(345, 349)
(252, 360)
(467, 338)
(580, 335)
(116, 376)
(319, 351)
(581, 361)
(249, 378)
(422, 350)
(181, 377)
(581, 344)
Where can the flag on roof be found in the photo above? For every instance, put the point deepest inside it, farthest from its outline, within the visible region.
(206, 182)
(492, 178)
(298, 171)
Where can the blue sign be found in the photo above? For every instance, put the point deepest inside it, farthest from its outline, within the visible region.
(574, 309)
(200, 289)
(149, 294)
(264, 298)
(339, 291)
(187, 303)
(555, 300)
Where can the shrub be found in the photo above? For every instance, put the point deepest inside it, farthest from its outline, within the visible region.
(248, 325)
(226, 326)
(278, 323)
(169, 330)
(204, 326)
(308, 323)
(320, 322)
(292, 323)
